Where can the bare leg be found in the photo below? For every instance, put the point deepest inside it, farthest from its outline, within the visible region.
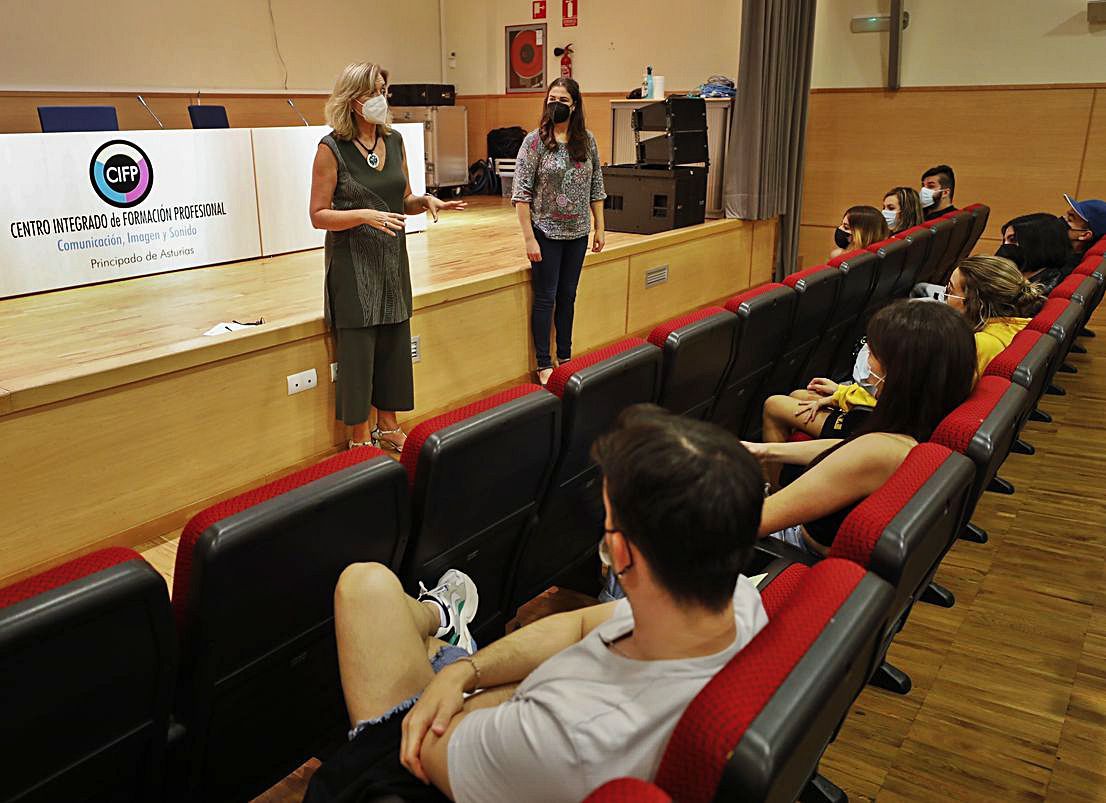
(360, 432)
(384, 638)
(386, 420)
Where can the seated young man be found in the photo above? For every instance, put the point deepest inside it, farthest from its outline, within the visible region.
(938, 187)
(575, 699)
(1086, 222)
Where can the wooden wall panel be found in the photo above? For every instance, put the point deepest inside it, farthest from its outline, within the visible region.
(1014, 149)
(766, 234)
(1092, 183)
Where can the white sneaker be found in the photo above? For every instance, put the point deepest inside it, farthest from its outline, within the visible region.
(457, 596)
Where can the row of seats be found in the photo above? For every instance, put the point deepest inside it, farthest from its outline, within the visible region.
(502, 488)
(57, 119)
(758, 730)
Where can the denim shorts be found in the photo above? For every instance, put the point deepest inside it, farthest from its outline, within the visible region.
(446, 655)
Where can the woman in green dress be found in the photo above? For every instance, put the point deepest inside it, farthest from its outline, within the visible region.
(361, 195)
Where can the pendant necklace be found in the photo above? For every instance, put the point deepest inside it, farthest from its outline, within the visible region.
(372, 158)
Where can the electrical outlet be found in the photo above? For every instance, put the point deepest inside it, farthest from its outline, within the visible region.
(333, 372)
(304, 380)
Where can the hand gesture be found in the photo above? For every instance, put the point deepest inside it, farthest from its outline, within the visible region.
(387, 222)
(435, 205)
(822, 386)
(442, 699)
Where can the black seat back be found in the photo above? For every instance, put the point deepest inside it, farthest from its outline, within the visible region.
(87, 658)
(697, 351)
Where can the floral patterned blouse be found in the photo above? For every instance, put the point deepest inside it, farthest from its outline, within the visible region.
(559, 190)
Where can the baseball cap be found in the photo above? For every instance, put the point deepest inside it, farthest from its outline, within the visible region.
(1094, 212)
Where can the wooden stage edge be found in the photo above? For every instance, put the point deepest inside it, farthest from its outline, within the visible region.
(119, 420)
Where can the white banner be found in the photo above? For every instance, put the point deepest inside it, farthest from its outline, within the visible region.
(92, 207)
(282, 161)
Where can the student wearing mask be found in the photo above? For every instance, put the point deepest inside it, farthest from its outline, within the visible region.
(1086, 222)
(922, 362)
(902, 209)
(861, 226)
(1039, 245)
(938, 187)
(558, 178)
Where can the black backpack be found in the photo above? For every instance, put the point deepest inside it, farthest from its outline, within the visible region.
(503, 143)
(482, 179)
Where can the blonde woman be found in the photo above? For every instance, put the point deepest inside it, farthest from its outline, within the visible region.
(860, 227)
(361, 195)
(997, 300)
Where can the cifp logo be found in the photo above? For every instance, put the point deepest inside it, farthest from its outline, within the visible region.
(121, 173)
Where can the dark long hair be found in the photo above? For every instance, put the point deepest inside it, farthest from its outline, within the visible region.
(910, 208)
(927, 351)
(1044, 243)
(866, 225)
(577, 130)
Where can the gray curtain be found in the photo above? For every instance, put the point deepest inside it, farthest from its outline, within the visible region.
(764, 162)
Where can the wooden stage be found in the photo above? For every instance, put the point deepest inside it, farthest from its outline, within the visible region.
(119, 419)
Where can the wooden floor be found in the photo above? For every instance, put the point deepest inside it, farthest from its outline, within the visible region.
(1009, 697)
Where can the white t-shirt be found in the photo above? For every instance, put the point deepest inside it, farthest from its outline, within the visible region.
(586, 715)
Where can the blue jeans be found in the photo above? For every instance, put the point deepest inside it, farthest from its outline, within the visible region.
(555, 280)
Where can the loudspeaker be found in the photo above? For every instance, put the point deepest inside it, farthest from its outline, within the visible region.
(645, 200)
(1096, 12)
(677, 113)
(682, 147)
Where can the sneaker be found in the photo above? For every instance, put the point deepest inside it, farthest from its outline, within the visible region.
(456, 594)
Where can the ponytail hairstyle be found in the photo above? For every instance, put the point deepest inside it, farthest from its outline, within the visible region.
(995, 288)
(577, 130)
(866, 225)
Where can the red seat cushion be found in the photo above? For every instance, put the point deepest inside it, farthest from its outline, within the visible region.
(1099, 248)
(837, 261)
(628, 790)
(199, 523)
(959, 427)
(795, 278)
(779, 591)
(911, 230)
(863, 527)
(1050, 312)
(65, 573)
(1089, 265)
(734, 303)
(561, 374)
(1065, 288)
(1008, 360)
(662, 331)
(874, 247)
(417, 437)
(716, 720)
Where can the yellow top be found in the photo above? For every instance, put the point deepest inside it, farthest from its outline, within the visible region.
(848, 396)
(993, 338)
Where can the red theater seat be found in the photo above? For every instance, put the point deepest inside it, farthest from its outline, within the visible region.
(984, 428)
(87, 659)
(920, 239)
(478, 474)
(941, 230)
(253, 590)
(980, 214)
(1062, 319)
(697, 350)
(858, 276)
(758, 729)
(560, 549)
(764, 316)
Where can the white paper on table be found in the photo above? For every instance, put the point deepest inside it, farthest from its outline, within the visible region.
(224, 327)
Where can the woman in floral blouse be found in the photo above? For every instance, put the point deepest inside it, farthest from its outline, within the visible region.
(557, 179)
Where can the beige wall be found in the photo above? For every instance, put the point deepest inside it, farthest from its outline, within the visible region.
(963, 42)
(216, 44)
(614, 41)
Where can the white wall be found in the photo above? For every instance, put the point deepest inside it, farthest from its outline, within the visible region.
(685, 41)
(963, 42)
(211, 44)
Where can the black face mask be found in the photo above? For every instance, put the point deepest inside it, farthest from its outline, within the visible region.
(1013, 252)
(841, 238)
(558, 112)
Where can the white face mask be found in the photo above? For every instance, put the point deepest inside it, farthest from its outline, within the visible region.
(928, 196)
(375, 110)
(891, 216)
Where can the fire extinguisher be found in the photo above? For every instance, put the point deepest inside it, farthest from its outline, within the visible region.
(566, 59)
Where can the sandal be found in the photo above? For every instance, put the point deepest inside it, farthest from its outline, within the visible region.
(356, 444)
(386, 444)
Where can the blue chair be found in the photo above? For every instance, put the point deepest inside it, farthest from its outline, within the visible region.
(208, 116)
(77, 118)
